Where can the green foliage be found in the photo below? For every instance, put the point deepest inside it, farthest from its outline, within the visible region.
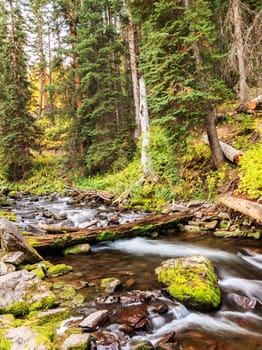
(45, 175)
(101, 125)
(18, 133)
(178, 57)
(250, 172)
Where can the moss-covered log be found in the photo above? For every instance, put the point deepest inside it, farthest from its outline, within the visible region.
(148, 226)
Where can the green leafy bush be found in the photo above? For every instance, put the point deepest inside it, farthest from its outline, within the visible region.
(251, 172)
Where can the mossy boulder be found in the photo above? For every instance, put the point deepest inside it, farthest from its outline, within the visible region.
(12, 240)
(110, 284)
(77, 342)
(22, 292)
(59, 270)
(25, 338)
(192, 281)
(77, 249)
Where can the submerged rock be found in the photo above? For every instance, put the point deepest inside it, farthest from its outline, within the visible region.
(192, 281)
(110, 284)
(22, 291)
(77, 249)
(12, 241)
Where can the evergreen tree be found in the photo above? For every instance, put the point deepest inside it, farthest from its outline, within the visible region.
(179, 60)
(99, 132)
(17, 131)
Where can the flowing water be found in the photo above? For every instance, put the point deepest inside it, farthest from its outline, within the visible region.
(236, 325)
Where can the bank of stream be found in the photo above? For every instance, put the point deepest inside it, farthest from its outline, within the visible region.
(238, 263)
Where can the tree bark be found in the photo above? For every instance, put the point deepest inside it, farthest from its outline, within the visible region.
(230, 152)
(146, 161)
(134, 75)
(255, 104)
(240, 51)
(251, 209)
(143, 227)
(216, 151)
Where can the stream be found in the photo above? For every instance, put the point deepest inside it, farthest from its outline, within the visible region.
(237, 325)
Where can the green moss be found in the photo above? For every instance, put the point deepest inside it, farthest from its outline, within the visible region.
(250, 172)
(47, 318)
(60, 242)
(106, 235)
(67, 293)
(39, 272)
(194, 285)
(20, 308)
(59, 270)
(255, 235)
(45, 303)
(8, 214)
(78, 300)
(139, 230)
(77, 249)
(105, 281)
(5, 344)
(31, 241)
(144, 346)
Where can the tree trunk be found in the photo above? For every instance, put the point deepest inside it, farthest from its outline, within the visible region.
(255, 104)
(216, 151)
(143, 227)
(230, 152)
(146, 160)
(134, 75)
(239, 51)
(251, 209)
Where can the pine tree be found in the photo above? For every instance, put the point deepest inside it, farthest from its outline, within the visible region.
(179, 61)
(17, 131)
(98, 131)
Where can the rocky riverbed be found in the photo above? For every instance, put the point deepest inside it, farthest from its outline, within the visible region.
(109, 297)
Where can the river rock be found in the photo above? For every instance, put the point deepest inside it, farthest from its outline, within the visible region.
(12, 241)
(77, 341)
(6, 268)
(134, 316)
(192, 281)
(25, 338)
(95, 319)
(77, 249)
(22, 291)
(246, 303)
(110, 284)
(14, 258)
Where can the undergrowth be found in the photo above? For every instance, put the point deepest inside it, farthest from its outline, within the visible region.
(182, 165)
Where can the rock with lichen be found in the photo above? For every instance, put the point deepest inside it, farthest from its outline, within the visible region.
(11, 240)
(22, 292)
(24, 338)
(192, 281)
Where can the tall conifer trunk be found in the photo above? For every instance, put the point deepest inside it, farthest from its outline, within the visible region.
(239, 51)
(146, 161)
(134, 74)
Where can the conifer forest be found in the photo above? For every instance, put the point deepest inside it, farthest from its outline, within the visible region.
(130, 174)
(93, 91)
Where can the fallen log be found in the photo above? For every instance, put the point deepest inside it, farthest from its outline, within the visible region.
(148, 226)
(91, 194)
(255, 103)
(230, 152)
(63, 229)
(251, 209)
